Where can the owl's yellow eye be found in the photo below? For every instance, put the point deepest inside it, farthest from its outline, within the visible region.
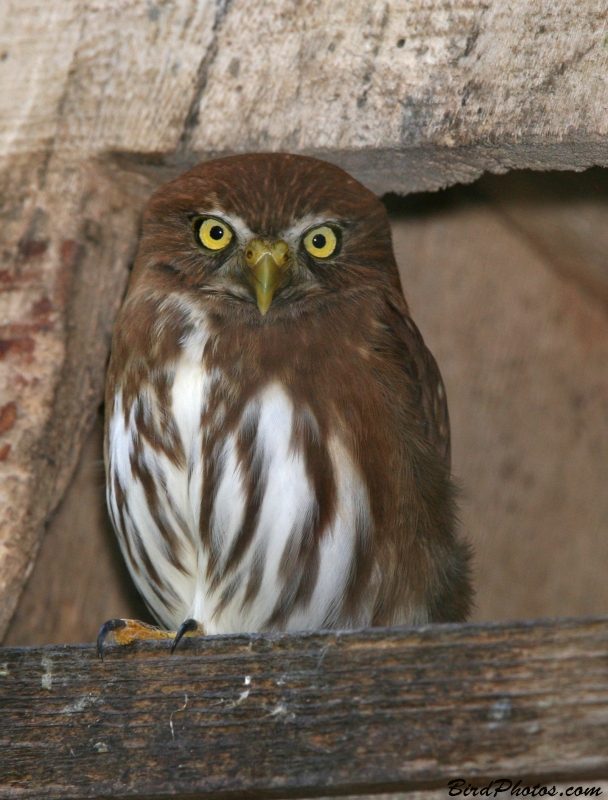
(321, 242)
(212, 233)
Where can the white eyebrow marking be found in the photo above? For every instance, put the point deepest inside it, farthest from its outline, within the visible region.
(293, 234)
(238, 225)
(306, 222)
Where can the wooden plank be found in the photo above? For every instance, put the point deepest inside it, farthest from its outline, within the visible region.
(305, 715)
(410, 94)
(68, 236)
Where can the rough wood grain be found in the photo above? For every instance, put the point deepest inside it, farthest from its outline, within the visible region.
(414, 94)
(100, 102)
(410, 95)
(297, 716)
(68, 236)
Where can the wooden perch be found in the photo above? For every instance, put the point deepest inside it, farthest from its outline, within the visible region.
(307, 715)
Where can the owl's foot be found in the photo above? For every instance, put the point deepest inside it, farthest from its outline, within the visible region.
(125, 631)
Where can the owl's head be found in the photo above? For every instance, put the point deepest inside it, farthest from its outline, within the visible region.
(267, 231)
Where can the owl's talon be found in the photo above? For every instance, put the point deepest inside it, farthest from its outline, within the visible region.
(108, 627)
(189, 626)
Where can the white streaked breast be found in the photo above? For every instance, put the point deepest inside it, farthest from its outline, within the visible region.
(284, 511)
(169, 600)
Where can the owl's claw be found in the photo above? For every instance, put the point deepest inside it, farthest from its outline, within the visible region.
(108, 627)
(189, 626)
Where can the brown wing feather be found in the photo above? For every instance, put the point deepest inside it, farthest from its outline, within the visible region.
(420, 361)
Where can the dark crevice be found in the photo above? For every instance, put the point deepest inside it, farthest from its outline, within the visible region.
(202, 78)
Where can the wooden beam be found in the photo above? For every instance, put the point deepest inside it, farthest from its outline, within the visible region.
(410, 95)
(277, 716)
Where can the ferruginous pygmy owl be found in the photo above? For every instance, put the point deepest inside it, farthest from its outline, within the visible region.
(277, 438)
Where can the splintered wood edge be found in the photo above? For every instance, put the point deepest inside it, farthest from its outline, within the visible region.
(302, 715)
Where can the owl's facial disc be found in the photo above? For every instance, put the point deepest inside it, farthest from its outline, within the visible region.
(267, 261)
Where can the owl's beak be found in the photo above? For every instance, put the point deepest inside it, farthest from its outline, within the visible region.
(267, 260)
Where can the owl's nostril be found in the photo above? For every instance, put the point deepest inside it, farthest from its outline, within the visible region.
(262, 246)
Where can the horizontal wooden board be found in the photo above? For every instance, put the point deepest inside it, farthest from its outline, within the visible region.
(307, 715)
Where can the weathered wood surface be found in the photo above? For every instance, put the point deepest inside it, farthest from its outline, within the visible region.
(317, 714)
(413, 94)
(66, 251)
(101, 102)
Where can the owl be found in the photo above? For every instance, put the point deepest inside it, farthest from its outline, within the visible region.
(277, 441)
